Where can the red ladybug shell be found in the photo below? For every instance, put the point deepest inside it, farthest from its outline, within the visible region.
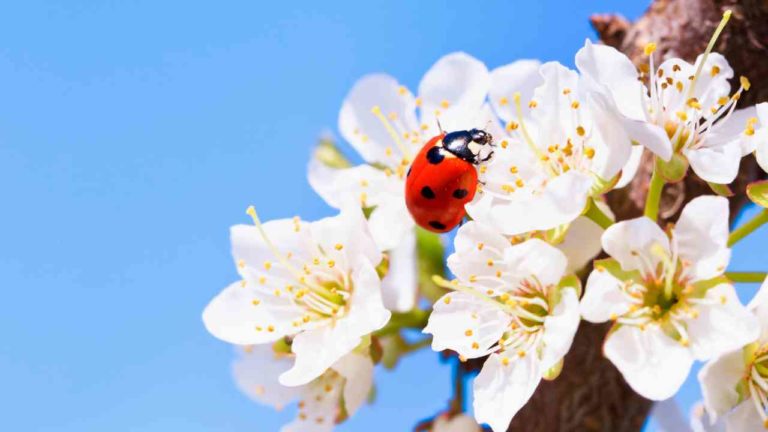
(438, 186)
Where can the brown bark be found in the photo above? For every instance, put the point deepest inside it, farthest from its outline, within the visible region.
(590, 394)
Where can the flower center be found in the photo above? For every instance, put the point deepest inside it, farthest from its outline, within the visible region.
(757, 382)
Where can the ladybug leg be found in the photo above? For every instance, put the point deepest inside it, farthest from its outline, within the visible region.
(487, 158)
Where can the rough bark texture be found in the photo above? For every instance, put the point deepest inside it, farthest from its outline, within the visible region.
(590, 394)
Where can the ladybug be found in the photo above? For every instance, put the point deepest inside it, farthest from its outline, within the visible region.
(443, 178)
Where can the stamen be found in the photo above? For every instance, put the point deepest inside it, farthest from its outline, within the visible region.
(718, 30)
(376, 110)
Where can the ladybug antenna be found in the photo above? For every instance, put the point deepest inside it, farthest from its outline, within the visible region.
(439, 126)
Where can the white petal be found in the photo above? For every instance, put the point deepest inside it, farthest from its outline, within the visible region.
(603, 297)
(475, 244)
(701, 421)
(400, 287)
(536, 258)
(250, 249)
(718, 380)
(582, 241)
(652, 363)
(341, 186)
(319, 405)
(723, 326)
(744, 418)
(561, 201)
(630, 243)
(553, 114)
(458, 80)
(631, 167)
(613, 147)
(390, 223)
(319, 348)
(256, 370)
(650, 136)
(232, 317)
(701, 236)
(350, 230)
(357, 370)
(363, 130)
(732, 129)
(759, 306)
(605, 66)
(466, 324)
(521, 76)
(500, 391)
(560, 328)
(761, 147)
(716, 162)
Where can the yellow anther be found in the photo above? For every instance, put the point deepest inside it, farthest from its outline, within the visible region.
(744, 81)
(363, 198)
(473, 278)
(519, 183)
(418, 104)
(468, 333)
(277, 292)
(513, 169)
(532, 104)
(521, 353)
(575, 104)
(331, 263)
(613, 317)
(682, 115)
(270, 328)
(505, 361)
(675, 68)
(267, 265)
(503, 101)
(483, 169)
(243, 283)
(256, 302)
(693, 103)
(504, 297)
(475, 345)
(480, 246)
(504, 144)
(402, 90)
(580, 130)
(566, 91)
(259, 328)
(316, 261)
(589, 152)
(498, 273)
(445, 104)
(512, 126)
(679, 86)
(388, 151)
(262, 280)
(649, 48)
(715, 70)
(241, 263)
(305, 318)
(447, 299)
(507, 188)
(339, 246)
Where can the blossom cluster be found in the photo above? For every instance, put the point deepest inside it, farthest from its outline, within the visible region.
(319, 304)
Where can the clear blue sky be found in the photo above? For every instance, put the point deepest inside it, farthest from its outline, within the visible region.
(133, 134)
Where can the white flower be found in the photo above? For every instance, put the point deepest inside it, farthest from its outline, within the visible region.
(757, 131)
(458, 423)
(702, 422)
(508, 303)
(688, 110)
(339, 391)
(668, 297)
(379, 119)
(735, 385)
(560, 146)
(315, 282)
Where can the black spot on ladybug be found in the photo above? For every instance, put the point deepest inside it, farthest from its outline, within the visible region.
(427, 192)
(460, 193)
(435, 156)
(436, 225)
(408, 174)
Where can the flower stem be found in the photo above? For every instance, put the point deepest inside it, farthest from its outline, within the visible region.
(654, 195)
(746, 229)
(746, 277)
(596, 215)
(457, 403)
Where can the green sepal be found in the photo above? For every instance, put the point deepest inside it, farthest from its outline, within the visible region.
(282, 346)
(701, 287)
(570, 281)
(601, 185)
(553, 372)
(329, 155)
(383, 267)
(720, 189)
(758, 193)
(674, 169)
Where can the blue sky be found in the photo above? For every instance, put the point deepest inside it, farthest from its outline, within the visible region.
(133, 134)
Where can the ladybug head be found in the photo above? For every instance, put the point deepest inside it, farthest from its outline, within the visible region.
(481, 137)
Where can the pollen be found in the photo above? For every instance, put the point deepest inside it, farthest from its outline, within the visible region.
(745, 82)
(243, 283)
(589, 152)
(649, 48)
(513, 169)
(475, 345)
(715, 70)
(447, 300)
(679, 86)
(270, 328)
(241, 263)
(512, 126)
(505, 361)
(388, 151)
(468, 332)
(521, 353)
(445, 104)
(575, 104)
(519, 183)
(473, 278)
(262, 280)
(722, 100)
(693, 103)
(566, 91)
(256, 302)
(682, 115)
(331, 263)
(267, 265)
(532, 104)
(580, 130)
(418, 104)
(676, 68)
(402, 90)
(504, 144)
(503, 101)
(480, 246)
(339, 246)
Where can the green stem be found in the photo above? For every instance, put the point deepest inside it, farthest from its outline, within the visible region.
(746, 229)
(416, 318)
(654, 195)
(746, 277)
(597, 216)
